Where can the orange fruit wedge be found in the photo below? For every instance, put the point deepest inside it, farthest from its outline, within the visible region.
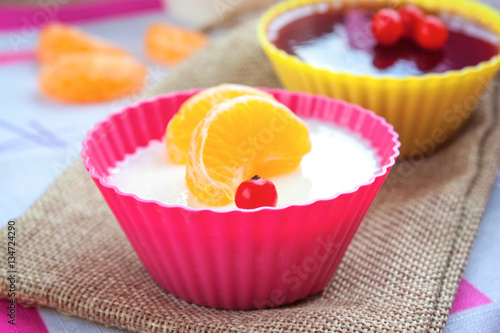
(238, 139)
(59, 39)
(170, 45)
(86, 78)
(191, 112)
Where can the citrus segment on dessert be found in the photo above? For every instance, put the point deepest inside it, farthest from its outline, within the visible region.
(238, 139)
(58, 39)
(182, 125)
(85, 78)
(170, 45)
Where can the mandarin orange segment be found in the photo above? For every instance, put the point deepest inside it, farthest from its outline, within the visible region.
(191, 112)
(87, 78)
(170, 45)
(59, 39)
(239, 138)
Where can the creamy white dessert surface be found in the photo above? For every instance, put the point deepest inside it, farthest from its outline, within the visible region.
(339, 161)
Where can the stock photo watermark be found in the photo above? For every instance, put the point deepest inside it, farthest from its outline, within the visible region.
(31, 24)
(454, 117)
(11, 271)
(224, 8)
(250, 147)
(298, 274)
(155, 75)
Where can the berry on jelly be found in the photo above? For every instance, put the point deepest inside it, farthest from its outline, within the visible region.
(431, 33)
(387, 26)
(256, 192)
(410, 15)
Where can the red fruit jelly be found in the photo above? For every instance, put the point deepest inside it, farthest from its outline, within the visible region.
(341, 40)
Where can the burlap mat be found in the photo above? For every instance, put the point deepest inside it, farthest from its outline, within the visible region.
(400, 273)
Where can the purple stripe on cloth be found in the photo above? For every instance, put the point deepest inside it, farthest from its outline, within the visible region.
(27, 320)
(19, 131)
(10, 57)
(48, 134)
(468, 297)
(14, 17)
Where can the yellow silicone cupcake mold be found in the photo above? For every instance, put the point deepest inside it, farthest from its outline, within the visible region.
(426, 110)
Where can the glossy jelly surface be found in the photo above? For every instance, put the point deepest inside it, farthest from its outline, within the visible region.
(341, 40)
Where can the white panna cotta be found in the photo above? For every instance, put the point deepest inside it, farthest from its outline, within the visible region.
(339, 161)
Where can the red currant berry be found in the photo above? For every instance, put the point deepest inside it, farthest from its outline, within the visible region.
(431, 33)
(410, 15)
(387, 26)
(256, 192)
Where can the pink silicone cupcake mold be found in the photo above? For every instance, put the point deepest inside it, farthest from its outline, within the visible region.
(237, 259)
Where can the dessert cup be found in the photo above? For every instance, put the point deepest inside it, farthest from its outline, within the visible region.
(238, 259)
(426, 110)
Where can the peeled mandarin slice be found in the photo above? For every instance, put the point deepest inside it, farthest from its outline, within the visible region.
(170, 45)
(240, 138)
(59, 39)
(191, 112)
(87, 78)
